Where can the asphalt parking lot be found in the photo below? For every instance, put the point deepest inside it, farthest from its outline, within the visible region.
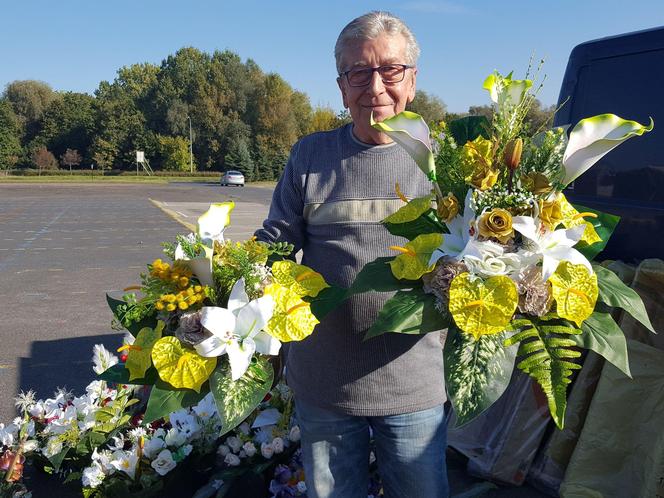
(63, 247)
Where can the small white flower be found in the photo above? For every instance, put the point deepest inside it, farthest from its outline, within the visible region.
(7, 434)
(92, 476)
(117, 443)
(223, 450)
(175, 438)
(278, 445)
(164, 463)
(232, 460)
(267, 450)
(102, 359)
(185, 423)
(153, 446)
(103, 459)
(294, 434)
(30, 445)
(53, 447)
(234, 443)
(301, 487)
(249, 449)
(206, 408)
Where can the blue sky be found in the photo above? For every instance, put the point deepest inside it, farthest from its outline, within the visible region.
(73, 44)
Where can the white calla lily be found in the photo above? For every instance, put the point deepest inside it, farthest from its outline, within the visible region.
(238, 330)
(200, 266)
(592, 138)
(212, 223)
(410, 131)
(505, 91)
(553, 246)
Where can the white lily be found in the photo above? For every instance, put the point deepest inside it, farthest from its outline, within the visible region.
(201, 266)
(410, 131)
(554, 246)
(505, 91)
(592, 138)
(238, 329)
(213, 222)
(126, 461)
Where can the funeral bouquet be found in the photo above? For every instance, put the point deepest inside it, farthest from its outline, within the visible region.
(212, 320)
(498, 256)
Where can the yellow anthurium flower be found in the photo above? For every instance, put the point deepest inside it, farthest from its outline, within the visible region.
(181, 368)
(411, 211)
(298, 278)
(575, 291)
(572, 218)
(292, 319)
(415, 257)
(482, 307)
(138, 357)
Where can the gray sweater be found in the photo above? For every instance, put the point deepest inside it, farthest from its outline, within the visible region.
(329, 203)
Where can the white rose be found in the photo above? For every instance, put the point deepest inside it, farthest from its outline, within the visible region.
(164, 463)
(267, 450)
(249, 449)
(153, 446)
(234, 443)
(223, 450)
(232, 460)
(294, 434)
(278, 445)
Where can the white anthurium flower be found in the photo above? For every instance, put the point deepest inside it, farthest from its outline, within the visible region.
(200, 266)
(506, 91)
(212, 223)
(553, 246)
(592, 138)
(238, 330)
(410, 131)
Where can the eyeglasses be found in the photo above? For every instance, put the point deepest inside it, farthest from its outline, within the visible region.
(390, 73)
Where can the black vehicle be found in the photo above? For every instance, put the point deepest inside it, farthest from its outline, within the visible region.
(622, 75)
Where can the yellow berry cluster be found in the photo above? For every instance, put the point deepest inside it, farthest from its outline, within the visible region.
(178, 275)
(182, 300)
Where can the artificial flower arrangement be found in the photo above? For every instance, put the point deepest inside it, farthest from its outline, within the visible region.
(213, 319)
(498, 256)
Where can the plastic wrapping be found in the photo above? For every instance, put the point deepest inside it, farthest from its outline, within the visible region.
(620, 451)
(502, 442)
(649, 283)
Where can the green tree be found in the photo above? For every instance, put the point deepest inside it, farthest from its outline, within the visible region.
(323, 119)
(29, 99)
(174, 153)
(10, 145)
(430, 107)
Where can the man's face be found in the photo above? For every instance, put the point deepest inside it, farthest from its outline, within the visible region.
(383, 99)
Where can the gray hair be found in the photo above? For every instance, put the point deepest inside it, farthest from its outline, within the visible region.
(369, 27)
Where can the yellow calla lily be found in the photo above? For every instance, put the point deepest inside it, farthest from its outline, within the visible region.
(139, 355)
(212, 223)
(292, 319)
(180, 367)
(299, 278)
(482, 307)
(415, 257)
(575, 291)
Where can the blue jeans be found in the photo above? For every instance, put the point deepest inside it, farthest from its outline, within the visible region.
(410, 452)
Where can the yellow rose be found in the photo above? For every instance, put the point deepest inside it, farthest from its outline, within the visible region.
(496, 224)
(448, 207)
(477, 161)
(550, 213)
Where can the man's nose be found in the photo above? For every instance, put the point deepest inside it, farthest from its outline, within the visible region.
(376, 85)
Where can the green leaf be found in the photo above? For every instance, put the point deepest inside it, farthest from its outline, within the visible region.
(602, 335)
(133, 328)
(604, 224)
(409, 312)
(327, 300)
(546, 351)
(427, 222)
(57, 459)
(477, 372)
(90, 441)
(237, 399)
(469, 128)
(377, 276)
(165, 400)
(614, 292)
(120, 375)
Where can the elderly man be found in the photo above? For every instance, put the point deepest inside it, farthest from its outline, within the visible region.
(335, 190)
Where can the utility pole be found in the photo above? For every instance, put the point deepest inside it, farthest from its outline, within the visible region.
(191, 152)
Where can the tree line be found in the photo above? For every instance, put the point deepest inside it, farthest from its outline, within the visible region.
(238, 116)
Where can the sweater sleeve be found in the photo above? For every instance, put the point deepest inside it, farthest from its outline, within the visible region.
(285, 221)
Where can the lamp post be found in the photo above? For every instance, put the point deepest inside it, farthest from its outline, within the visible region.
(191, 152)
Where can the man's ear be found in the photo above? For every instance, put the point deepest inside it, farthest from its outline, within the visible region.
(343, 92)
(413, 86)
